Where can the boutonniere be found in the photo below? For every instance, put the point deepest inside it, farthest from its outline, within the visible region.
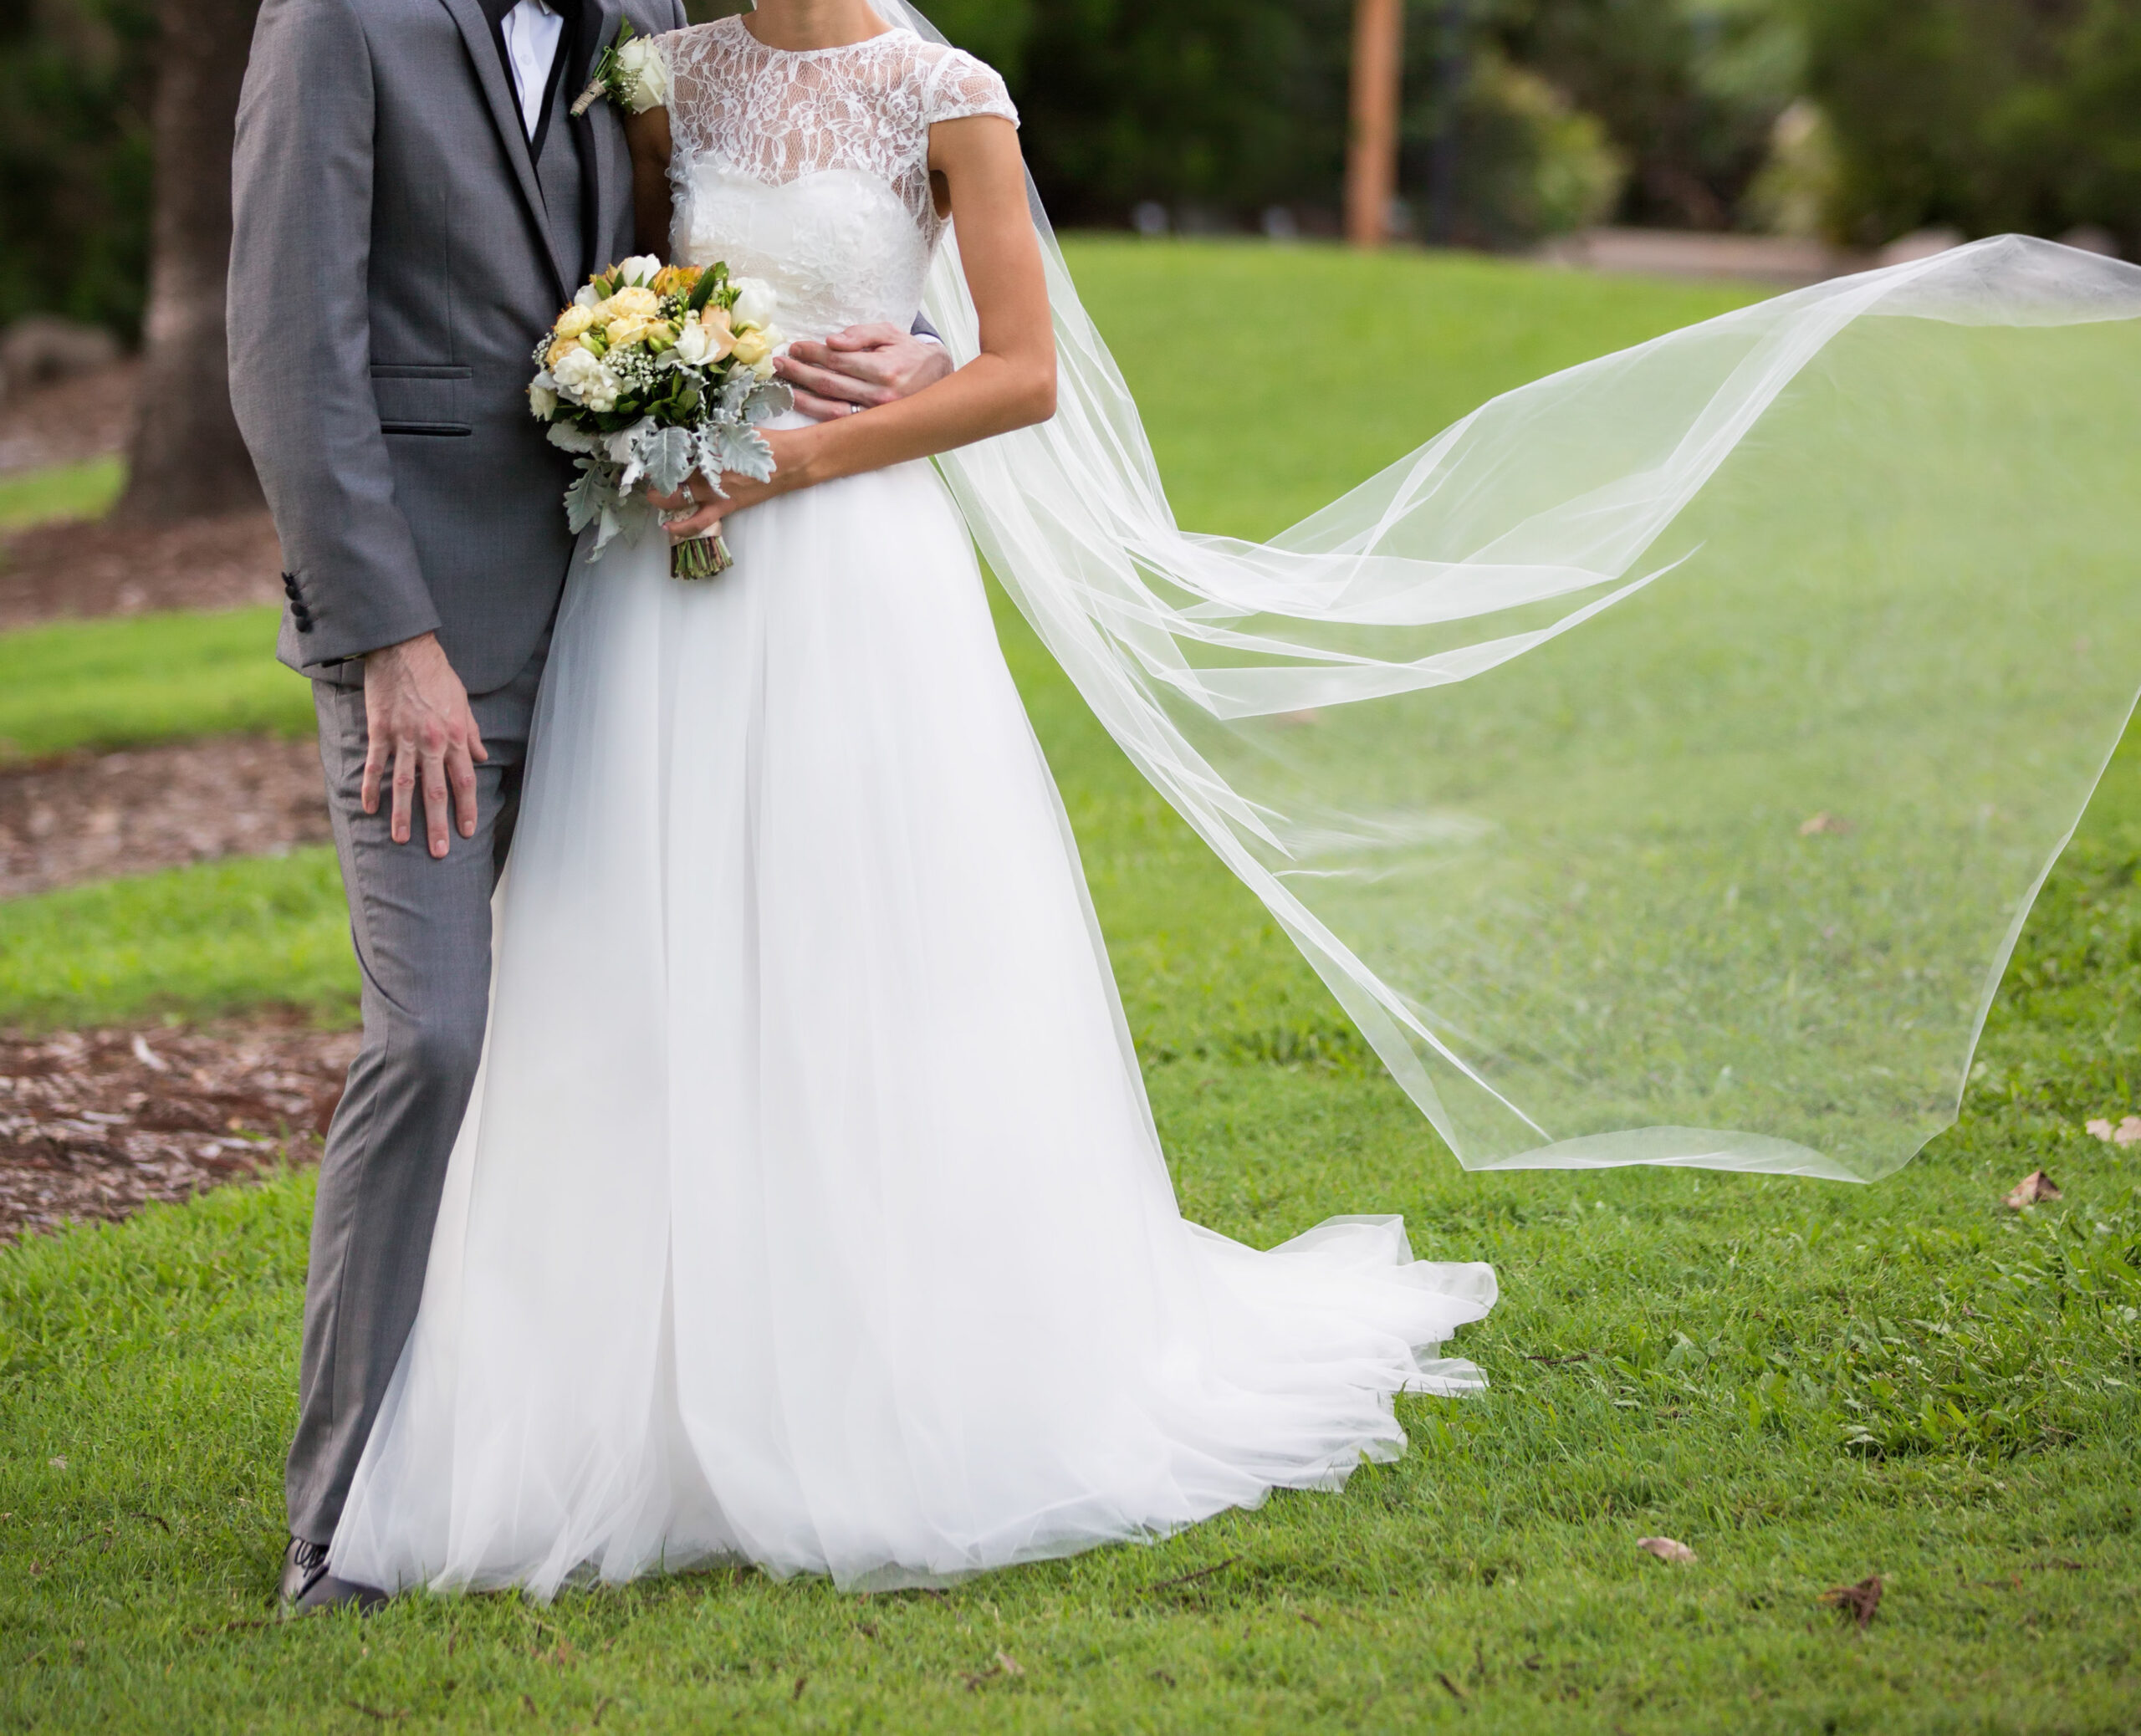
(631, 73)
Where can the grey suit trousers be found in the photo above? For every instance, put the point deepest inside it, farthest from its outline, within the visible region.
(422, 933)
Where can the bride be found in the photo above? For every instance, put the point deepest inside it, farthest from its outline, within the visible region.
(809, 1211)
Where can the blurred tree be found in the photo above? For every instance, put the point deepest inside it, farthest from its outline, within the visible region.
(1213, 106)
(75, 79)
(187, 459)
(997, 30)
(1507, 158)
(1985, 115)
(1688, 91)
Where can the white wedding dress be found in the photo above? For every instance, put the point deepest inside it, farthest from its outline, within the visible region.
(809, 1211)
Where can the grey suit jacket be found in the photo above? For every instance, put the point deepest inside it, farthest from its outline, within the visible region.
(391, 270)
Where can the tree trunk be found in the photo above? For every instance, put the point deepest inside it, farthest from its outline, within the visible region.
(1372, 152)
(187, 459)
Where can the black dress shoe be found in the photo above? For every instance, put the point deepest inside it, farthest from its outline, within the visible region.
(308, 1586)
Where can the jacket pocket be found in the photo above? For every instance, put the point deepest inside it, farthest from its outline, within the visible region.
(415, 399)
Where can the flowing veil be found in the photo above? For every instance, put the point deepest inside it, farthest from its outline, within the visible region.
(1659, 763)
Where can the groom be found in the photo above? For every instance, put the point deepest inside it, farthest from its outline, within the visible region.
(414, 200)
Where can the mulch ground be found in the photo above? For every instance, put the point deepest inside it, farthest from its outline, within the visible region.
(52, 572)
(91, 816)
(69, 422)
(95, 1125)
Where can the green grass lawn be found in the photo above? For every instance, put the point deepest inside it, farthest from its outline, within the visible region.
(200, 942)
(65, 491)
(1808, 1383)
(145, 678)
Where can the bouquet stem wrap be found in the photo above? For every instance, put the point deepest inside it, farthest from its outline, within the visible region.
(704, 557)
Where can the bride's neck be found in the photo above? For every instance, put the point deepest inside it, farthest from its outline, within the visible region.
(805, 24)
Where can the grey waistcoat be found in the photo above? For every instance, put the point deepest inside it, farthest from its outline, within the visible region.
(558, 173)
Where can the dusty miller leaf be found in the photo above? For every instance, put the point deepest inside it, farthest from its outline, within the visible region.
(744, 451)
(667, 456)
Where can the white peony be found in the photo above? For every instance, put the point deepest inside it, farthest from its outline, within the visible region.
(645, 64)
(638, 271)
(756, 301)
(694, 344)
(578, 372)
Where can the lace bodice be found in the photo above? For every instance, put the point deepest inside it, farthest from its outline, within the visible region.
(810, 168)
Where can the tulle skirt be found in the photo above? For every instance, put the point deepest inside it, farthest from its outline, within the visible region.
(809, 1211)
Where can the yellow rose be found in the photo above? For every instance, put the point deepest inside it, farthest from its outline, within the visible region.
(574, 321)
(753, 347)
(560, 350)
(628, 329)
(636, 303)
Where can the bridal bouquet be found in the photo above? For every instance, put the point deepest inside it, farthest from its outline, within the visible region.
(654, 372)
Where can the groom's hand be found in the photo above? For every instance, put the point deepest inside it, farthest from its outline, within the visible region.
(417, 720)
(859, 368)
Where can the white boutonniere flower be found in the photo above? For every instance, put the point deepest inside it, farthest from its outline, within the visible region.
(633, 73)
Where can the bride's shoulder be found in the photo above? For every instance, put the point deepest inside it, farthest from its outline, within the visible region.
(955, 84)
(696, 43)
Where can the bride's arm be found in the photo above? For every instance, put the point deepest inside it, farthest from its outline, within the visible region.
(648, 137)
(1011, 384)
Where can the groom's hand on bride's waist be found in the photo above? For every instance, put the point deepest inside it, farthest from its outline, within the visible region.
(861, 367)
(421, 731)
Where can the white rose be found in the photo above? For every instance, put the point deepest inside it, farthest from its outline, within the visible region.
(693, 344)
(588, 296)
(765, 369)
(578, 373)
(639, 270)
(543, 400)
(755, 302)
(648, 68)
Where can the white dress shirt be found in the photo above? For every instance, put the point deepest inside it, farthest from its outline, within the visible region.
(532, 30)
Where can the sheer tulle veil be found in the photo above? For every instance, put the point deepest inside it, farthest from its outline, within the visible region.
(1658, 764)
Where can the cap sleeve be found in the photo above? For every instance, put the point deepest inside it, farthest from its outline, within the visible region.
(690, 58)
(960, 86)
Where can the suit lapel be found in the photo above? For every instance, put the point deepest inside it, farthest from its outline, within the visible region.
(606, 163)
(475, 29)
